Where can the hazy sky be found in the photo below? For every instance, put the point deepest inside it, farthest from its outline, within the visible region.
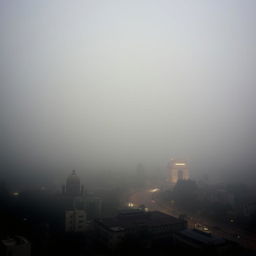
(106, 84)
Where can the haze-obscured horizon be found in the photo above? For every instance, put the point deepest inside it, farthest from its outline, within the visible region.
(93, 85)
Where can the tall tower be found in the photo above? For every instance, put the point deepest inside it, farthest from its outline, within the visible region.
(178, 170)
(73, 185)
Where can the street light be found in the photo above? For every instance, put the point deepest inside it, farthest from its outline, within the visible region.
(154, 190)
(130, 205)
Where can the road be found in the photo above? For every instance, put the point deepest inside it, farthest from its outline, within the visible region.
(144, 197)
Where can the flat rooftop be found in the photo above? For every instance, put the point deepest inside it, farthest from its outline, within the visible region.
(127, 220)
(201, 237)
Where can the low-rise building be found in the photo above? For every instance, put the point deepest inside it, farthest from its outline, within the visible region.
(16, 246)
(153, 226)
(203, 241)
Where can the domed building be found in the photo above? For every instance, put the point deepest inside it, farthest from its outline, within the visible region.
(78, 205)
(73, 187)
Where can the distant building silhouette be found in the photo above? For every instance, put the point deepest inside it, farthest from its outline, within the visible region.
(140, 175)
(73, 187)
(79, 206)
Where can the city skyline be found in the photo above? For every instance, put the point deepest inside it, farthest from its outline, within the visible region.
(95, 85)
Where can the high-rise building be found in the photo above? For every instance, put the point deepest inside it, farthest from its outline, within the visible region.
(73, 187)
(74, 198)
(178, 170)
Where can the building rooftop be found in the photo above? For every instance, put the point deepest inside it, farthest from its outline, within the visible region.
(202, 237)
(17, 240)
(134, 219)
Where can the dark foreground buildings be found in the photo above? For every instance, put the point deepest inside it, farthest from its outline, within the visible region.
(71, 224)
(201, 242)
(16, 246)
(150, 227)
(156, 233)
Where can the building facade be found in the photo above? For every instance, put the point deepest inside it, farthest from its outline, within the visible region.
(75, 221)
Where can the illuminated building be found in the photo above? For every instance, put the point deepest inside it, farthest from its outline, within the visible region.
(178, 170)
